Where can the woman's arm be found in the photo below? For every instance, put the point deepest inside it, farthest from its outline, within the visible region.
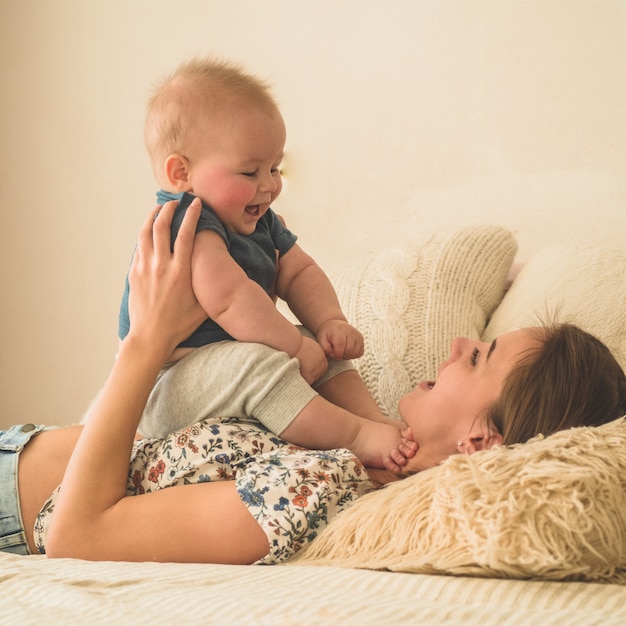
(93, 517)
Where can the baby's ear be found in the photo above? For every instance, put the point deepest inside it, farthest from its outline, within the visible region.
(177, 172)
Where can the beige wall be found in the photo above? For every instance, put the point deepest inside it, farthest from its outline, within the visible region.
(403, 117)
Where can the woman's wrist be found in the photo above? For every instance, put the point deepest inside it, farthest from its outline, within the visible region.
(147, 350)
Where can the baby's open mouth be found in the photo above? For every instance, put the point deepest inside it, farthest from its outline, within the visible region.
(253, 209)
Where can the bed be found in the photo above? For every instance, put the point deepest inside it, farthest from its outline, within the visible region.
(532, 534)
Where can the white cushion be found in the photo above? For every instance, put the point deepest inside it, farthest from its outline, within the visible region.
(582, 285)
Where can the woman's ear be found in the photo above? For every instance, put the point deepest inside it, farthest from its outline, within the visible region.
(480, 441)
(493, 439)
(177, 172)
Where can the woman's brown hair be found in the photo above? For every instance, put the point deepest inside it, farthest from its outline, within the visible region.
(571, 379)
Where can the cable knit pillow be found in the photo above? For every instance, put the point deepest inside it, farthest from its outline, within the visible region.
(410, 302)
(582, 285)
(552, 508)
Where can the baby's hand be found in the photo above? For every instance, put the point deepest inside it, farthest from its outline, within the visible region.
(313, 362)
(340, 340)
(384, 446)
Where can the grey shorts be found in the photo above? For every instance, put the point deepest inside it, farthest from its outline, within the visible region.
(12, 442)
(234, 379)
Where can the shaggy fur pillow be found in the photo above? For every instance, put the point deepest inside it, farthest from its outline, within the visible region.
(410, 302)
(553, 508)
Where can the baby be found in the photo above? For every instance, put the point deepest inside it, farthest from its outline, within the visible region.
(214, 134)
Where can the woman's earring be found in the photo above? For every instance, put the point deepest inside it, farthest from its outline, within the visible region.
(459, 443)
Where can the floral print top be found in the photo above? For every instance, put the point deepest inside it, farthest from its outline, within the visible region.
(293, 493)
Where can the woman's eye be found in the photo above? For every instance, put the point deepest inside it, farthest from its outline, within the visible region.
(474, 357)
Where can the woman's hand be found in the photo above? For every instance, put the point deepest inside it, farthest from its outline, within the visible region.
(162, 306)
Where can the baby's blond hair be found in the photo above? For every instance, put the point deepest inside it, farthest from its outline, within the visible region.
(202, 87)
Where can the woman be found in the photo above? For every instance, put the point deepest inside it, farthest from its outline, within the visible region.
(256, 498)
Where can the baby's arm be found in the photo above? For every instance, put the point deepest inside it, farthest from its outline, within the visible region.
(234, 301)
(242, 308)
(312, 298)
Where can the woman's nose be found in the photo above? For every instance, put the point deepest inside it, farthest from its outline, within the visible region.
(458, 346)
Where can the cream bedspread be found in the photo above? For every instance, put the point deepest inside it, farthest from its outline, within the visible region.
(68, 592)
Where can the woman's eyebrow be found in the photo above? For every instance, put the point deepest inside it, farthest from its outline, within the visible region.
(492, 347)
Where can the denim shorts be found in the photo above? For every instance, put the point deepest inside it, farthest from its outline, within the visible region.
(12, 442)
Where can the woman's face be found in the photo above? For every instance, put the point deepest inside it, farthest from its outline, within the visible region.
(447, 411)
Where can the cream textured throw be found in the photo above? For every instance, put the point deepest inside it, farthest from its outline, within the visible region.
(553, 508)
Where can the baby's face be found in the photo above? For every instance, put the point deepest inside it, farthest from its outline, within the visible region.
(234, 166)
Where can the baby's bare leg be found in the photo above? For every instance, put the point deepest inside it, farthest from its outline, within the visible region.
(348, 391)
(342, 385)
(324, 425)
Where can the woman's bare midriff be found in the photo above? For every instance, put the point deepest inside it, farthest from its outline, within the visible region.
(41, 467)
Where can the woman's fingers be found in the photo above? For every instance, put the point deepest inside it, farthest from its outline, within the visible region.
(144, 240)
(183, 246)
(161, 300)
(161, 230)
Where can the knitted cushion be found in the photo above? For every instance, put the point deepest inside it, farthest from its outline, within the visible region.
(410, 302)
(557, 282)
(552, 508)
